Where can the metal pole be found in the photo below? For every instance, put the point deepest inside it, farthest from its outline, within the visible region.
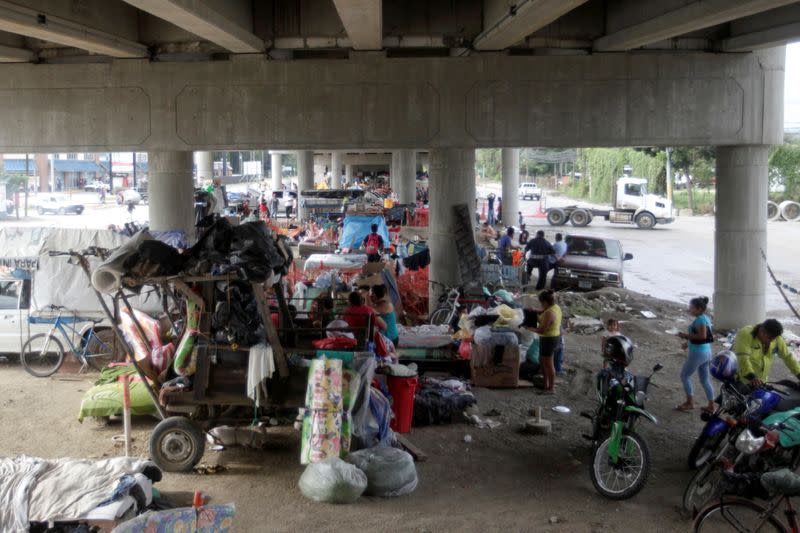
(669, 173)
(134, 170)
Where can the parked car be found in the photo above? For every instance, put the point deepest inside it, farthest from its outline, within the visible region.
(529, 191)
(97, 185)
(128, 196)
(591, 263)
(58, 206)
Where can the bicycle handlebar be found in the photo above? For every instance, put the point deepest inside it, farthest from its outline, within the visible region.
(93, 251)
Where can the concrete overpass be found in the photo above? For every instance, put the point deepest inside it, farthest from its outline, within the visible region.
(175, 76)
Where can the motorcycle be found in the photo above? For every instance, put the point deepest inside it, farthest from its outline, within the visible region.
(621, 461)
(738, 447)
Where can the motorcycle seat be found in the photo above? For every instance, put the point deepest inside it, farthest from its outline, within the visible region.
(782, 481)
(790, 396)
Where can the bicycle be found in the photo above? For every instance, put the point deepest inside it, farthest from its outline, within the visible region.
(43, 354)
(448, 308)
(735, 513)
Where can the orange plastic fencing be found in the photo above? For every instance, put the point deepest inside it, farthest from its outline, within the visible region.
(413, 287)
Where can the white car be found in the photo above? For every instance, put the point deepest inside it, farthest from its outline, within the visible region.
(529, 191)
(98, 185)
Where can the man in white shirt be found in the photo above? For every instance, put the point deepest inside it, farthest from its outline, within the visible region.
(220, 202)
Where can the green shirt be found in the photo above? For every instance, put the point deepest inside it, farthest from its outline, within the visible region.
(753, 359)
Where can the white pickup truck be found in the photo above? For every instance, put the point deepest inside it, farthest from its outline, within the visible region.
(529, 191)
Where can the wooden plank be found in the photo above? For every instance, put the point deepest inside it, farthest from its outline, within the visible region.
(269, 329)
(418, 455)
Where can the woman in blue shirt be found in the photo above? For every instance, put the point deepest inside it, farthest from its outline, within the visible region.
(698, 342)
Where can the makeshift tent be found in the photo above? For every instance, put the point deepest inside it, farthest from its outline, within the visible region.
(357, 227)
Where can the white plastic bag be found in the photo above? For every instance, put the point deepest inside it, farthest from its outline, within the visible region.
(390, 472)
(332, 481)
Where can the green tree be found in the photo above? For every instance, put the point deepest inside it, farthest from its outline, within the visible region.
(489, 164)
(697, 164)
(784, 168)
(601, 167)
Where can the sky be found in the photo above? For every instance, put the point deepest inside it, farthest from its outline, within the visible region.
(791, 110)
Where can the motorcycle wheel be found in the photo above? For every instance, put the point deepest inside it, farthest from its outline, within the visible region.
(625, 479)
(705, 447)
(703, 488)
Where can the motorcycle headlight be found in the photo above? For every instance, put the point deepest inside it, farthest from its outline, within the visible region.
(748, 444)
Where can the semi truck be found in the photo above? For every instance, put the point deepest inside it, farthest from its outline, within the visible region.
(631, 204)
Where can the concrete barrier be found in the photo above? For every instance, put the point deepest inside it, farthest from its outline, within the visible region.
(773, 212)
(790, 210)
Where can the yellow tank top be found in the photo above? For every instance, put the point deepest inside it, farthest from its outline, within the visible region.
(555, 328)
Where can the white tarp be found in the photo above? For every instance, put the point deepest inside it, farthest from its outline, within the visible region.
(20, 247)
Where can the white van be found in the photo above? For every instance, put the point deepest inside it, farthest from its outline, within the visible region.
(529, 191)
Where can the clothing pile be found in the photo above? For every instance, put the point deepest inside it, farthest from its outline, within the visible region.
(440, 401)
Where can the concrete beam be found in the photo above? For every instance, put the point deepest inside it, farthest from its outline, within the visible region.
(505, 25)
(32, 23)
(363, 21)
(777, 36)
(199, 18)
(691, 17)
(10, 54)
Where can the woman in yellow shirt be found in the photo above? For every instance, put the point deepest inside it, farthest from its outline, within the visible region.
(549, 331)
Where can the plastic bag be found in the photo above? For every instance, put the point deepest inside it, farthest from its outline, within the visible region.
(465, 349)
(390, 472)
(508, 317)
(332, 481)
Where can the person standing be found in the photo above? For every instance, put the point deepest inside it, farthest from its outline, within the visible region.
(560, 247)
(490, 209)
(504, 247)
(218, 193)
(373, 244)
(385, 309)
(275, 203)
(521, 219)
(523, 235)
(499, 209)
(698, 341)
(538, 250)
(549, 331)
(263, 212)
(288, 204)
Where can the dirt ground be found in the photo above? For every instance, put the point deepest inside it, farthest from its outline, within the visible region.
(501, 480)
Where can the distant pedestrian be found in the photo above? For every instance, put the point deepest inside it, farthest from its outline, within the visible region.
(263, 212)
(698, 342)
(490, 209)
(275, 203)
(520, 219)
(288, 204)
(102, 195)
(523, 235)
(539, 251)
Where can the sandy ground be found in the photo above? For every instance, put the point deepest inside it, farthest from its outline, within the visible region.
(501, 480)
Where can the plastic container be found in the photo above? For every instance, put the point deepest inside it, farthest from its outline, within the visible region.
(402, 391)
(388, 203)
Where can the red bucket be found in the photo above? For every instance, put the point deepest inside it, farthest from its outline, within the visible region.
(402, 391)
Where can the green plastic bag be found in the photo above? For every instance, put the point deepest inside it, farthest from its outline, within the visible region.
(532, 355)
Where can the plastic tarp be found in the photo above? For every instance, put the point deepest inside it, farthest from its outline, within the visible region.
(20, 247)
(357, 227)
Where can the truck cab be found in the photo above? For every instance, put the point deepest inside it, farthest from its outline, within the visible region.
(15, 296)
(632, 203)
(529, 190)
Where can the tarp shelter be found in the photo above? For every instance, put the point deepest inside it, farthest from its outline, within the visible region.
(357, 227)
(54, 281)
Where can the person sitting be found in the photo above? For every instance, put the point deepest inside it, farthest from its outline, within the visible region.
(373, 244)
(322, 310)
(358, 315)
(385, 309)
(504, 247)
(755, 347)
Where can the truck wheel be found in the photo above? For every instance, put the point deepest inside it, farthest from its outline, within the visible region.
(580, 218)
(176, 444)
(645, 220)
(556, 217)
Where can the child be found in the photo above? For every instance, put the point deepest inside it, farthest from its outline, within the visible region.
(612, 328)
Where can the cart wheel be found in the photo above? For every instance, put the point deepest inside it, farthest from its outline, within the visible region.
(176, 444)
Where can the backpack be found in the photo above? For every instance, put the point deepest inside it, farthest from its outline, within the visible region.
(373, 245)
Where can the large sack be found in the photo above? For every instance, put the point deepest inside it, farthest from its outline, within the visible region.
(390, 472)
(332, 481)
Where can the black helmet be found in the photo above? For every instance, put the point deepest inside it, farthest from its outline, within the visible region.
(619, 348)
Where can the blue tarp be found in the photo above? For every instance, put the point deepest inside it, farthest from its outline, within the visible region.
(357, 227)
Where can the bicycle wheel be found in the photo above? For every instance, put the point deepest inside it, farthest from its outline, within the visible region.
(440, 316)
(704, 487)
(736, 514)
(42, 355)
(99, 351)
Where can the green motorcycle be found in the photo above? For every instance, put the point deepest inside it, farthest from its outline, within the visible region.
(621, 461)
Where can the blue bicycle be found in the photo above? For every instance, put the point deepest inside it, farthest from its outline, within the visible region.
(43, 353)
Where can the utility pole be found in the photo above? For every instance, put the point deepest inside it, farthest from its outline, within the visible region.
(669, 173)
(134, 171)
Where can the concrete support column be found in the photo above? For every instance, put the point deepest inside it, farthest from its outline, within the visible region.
(394, 171)
(741, 234)
(349, 174)
(305, 177)
(336, 169)
(276, 170)
(171, 192)
(510, 196)
(452, 182)
(406, 176)
(205, 166)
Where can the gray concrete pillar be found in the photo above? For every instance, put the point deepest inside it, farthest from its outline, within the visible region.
(349, 174)
(510, 157)
(205, 166)
(452, 182)
(741, 234)
(336, 169)
(406, 178)
(171, 192)
(305, 177)
(276, 170)
(394, 171)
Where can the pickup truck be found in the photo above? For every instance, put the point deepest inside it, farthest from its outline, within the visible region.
(529, 191)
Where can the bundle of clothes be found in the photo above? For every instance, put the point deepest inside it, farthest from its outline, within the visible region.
(441, 401)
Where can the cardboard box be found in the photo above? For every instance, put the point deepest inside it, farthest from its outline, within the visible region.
(502, 375)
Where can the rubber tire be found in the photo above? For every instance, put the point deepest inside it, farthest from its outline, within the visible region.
(79, 211)
(580, 218)
(61, 211)
(645, 220)
(702, 443)
(106, 337)
(49, 371)
(40, 211)
(757, 509)
(556, 217)
(439, 317)
(186, 429)
(639, 485)
(708, 470)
